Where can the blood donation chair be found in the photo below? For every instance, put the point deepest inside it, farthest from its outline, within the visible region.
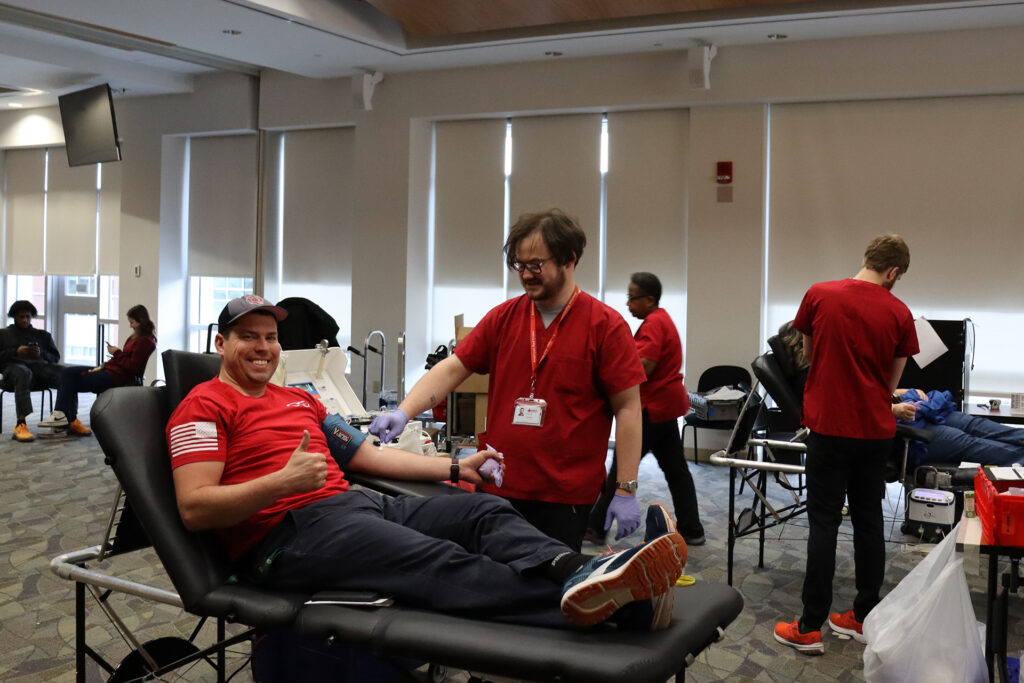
(765, 448)
(129, 424)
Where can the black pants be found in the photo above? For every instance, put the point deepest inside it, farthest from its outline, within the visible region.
(853, 469)
(22, 378)
(464, 554)
(661, 439)
(563, 522)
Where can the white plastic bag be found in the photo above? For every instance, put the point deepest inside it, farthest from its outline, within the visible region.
(925, 629)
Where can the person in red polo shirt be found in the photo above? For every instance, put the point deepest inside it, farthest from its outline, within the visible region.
(857, 337)
(664, 399)
(561, 365)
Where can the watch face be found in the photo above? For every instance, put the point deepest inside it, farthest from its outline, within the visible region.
(628, 486)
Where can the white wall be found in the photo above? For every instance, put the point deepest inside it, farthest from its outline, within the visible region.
(728, 122)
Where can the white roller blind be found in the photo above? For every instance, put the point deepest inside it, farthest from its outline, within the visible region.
(222, 206)
(25, 177)
(110, 219)
(944, 173)
(646, 205)
(555, 164)
(70, 217)
(469, 212)
(317, 221)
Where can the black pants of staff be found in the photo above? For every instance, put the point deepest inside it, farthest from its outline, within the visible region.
(841, 469)
(661, 439)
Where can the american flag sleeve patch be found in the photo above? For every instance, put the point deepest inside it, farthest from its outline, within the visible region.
(191, 437)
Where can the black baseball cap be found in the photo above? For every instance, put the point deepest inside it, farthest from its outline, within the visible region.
(236, 308)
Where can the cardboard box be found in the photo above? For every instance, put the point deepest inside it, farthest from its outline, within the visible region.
(474, 384)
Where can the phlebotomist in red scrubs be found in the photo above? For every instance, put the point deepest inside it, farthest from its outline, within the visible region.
(561, 365)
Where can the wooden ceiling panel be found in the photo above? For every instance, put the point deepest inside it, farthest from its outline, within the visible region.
(439, 18)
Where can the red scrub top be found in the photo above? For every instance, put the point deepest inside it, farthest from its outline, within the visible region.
(592, 358)
(858, 328)
(663, 394)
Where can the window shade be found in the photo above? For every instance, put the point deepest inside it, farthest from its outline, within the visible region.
(110, 219)
(25, 178)
(555, 164)
(646, 204)
(222, 206)
(469, 215)
(944, 173)
(317, 221)
(70, 217)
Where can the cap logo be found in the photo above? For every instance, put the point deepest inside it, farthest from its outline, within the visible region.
(254, 300)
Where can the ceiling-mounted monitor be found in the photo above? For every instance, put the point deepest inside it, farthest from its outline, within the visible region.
(90, 131)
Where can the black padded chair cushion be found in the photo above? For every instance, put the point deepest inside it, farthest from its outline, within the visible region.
(184, 369)
(535, 653)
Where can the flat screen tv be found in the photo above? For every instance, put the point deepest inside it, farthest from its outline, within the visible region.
(90, 131)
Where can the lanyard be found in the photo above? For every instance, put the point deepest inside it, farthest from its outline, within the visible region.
(534, 363)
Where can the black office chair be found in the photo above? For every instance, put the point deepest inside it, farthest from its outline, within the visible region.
(712, 378)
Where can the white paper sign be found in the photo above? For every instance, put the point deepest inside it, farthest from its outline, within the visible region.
(928, 339)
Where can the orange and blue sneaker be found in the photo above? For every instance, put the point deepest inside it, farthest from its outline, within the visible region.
(607, 582)
(847, 624)
(806, 643)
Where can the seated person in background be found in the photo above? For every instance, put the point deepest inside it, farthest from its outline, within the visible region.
(958, 437)
(249, 461)
(28, 362)
(124, 367)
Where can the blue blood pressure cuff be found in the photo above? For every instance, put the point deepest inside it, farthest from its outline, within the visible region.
(343, 439)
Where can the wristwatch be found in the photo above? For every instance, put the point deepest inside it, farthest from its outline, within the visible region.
(627, 486)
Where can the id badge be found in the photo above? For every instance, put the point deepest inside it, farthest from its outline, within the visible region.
(529, 412)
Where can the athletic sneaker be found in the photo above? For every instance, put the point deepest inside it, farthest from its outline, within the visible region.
(22, 434)
(847, 625)
(78, 429)
(607, 582)
(806, 643)
(57, 419)
(659, 522)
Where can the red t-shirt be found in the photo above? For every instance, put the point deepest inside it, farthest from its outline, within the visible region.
(252, 436)
(857, 329)
(592, 358)
(663, 394)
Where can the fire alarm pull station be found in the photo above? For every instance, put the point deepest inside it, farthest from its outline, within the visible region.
(724, 175)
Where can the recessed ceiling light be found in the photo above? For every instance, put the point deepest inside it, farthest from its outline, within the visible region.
(231, 31)
(552, 53)
(15, 105)
(777, 36)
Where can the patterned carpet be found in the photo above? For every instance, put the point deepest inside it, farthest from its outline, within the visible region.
(56, 496)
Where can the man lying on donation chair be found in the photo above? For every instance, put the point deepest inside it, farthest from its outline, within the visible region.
(958, 437)
(248, 460)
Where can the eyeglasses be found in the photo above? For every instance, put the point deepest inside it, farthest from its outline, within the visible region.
(533, 266)
(638, 296)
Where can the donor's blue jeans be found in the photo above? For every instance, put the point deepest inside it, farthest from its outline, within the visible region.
(974, 439)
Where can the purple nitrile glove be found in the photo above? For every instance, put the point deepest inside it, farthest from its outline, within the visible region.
(626, 511)
(491, 469)
(387, 426)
